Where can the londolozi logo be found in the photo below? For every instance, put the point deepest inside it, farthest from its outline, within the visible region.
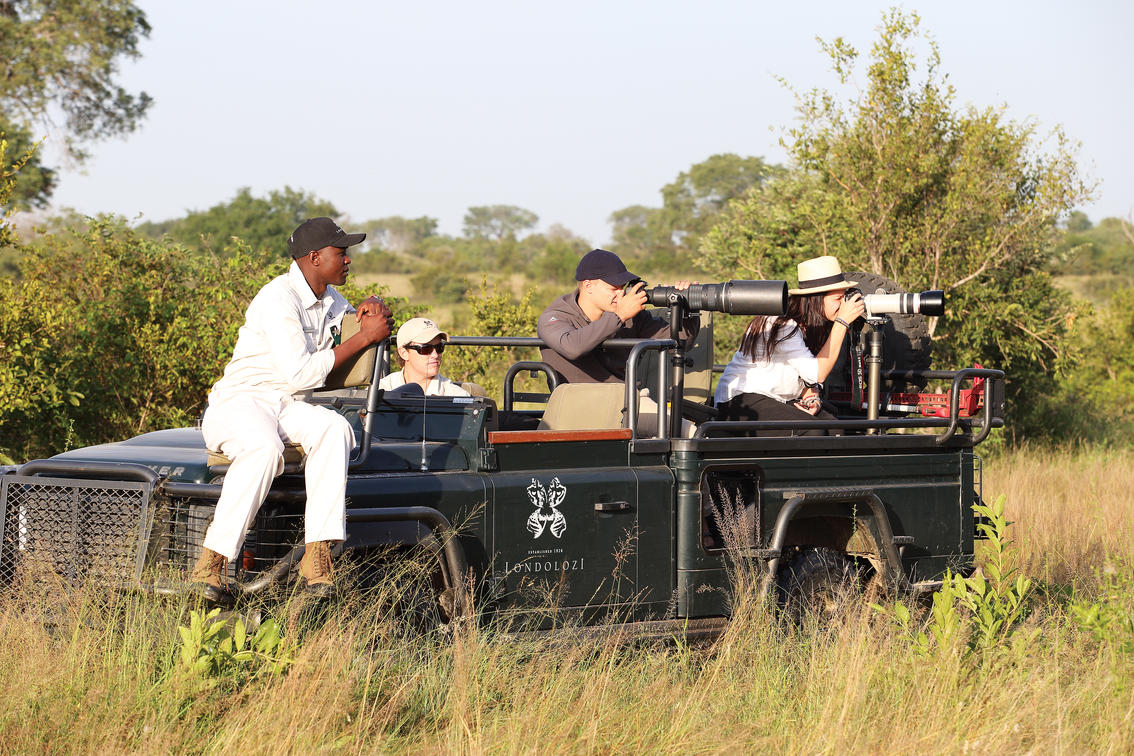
(547, 515)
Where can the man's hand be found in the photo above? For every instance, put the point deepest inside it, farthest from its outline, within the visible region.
(627, 304)
(683, 285)
(375, 319)
(376, 327)
(372, 306)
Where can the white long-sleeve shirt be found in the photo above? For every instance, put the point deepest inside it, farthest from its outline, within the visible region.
(783, 377)
(284, 348)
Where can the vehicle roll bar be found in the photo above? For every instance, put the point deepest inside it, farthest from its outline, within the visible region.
(952, 423)
(510, 396)
(638, 347)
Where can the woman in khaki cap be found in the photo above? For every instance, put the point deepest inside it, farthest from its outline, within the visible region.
(420, 345)
(783, 360)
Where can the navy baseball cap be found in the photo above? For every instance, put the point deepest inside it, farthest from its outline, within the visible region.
(600, 264)
(316, 233)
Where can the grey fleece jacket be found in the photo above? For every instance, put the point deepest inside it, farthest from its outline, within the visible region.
(572, 340)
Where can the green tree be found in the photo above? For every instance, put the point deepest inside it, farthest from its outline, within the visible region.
(664, 238)
(394, 244)
(35, 181)
(10, 250)
(261, 222)
(899, 182)
(695, 198)
(440, 282)
(1087, 249)
(1078, 221)
(552, 257)
(498, 222)
(62, 57)
(399, 235)
(1097, 398)
(637, 231)
(8, 174)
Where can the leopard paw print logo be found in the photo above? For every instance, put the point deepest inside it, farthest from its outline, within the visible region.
(547, 516)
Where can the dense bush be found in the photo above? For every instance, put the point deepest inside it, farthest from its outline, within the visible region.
(1096, 398)
(108, 333)
(440, 284)
(494, 312)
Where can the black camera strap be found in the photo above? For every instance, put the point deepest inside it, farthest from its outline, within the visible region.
(855, 352)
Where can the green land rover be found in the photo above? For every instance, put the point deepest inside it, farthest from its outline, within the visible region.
(564, 511)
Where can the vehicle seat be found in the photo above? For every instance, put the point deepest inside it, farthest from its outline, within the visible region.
(585, 406)
(474, 389)
(358, 372)
(293, 457)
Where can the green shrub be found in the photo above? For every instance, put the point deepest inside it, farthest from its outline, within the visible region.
(112, 334)
(1110, 618)
(219, 648)
(983, 611)
(109, 334)
(494, 312)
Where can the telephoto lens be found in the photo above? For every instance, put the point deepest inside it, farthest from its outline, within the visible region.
(918, 303)
(732, 297)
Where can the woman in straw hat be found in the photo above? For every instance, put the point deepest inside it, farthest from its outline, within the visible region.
(782, 361)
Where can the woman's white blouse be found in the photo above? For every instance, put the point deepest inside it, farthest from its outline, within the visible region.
(783, 378)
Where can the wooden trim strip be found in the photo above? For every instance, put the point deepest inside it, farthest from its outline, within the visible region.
(532, 436)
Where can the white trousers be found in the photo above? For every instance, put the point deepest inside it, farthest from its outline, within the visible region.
(251, 431)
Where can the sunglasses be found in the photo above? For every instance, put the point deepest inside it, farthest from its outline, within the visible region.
(427, 349)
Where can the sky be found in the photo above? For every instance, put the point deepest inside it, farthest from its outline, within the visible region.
(571, 110)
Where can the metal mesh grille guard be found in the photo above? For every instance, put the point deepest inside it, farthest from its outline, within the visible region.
(179, 532)
(109, 532)
(80, 530)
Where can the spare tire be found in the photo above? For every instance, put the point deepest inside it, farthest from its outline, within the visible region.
(906, 346)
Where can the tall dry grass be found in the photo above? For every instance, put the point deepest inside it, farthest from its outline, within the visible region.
(91, 674)
(1072, 509)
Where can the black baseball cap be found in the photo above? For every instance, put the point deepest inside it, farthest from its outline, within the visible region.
(316, 233)
(600, 264)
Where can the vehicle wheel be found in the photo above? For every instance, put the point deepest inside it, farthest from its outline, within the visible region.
(818, 583)
(406, 586)
(907, 344)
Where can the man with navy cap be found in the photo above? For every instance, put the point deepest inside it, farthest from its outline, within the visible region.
(289, 344)
(601, 307)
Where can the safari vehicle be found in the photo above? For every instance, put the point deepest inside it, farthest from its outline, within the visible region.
(563, 511)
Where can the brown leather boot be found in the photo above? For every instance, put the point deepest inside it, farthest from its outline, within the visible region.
(315, 575)
(209, 578)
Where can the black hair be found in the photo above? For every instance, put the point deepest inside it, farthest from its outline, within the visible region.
(807, 312)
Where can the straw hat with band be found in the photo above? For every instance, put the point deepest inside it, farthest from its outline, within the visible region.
(820, 274)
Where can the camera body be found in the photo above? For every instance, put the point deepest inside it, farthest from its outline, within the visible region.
(924, 303)
(732, 297)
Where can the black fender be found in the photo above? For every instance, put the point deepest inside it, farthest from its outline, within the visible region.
(885, 543)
